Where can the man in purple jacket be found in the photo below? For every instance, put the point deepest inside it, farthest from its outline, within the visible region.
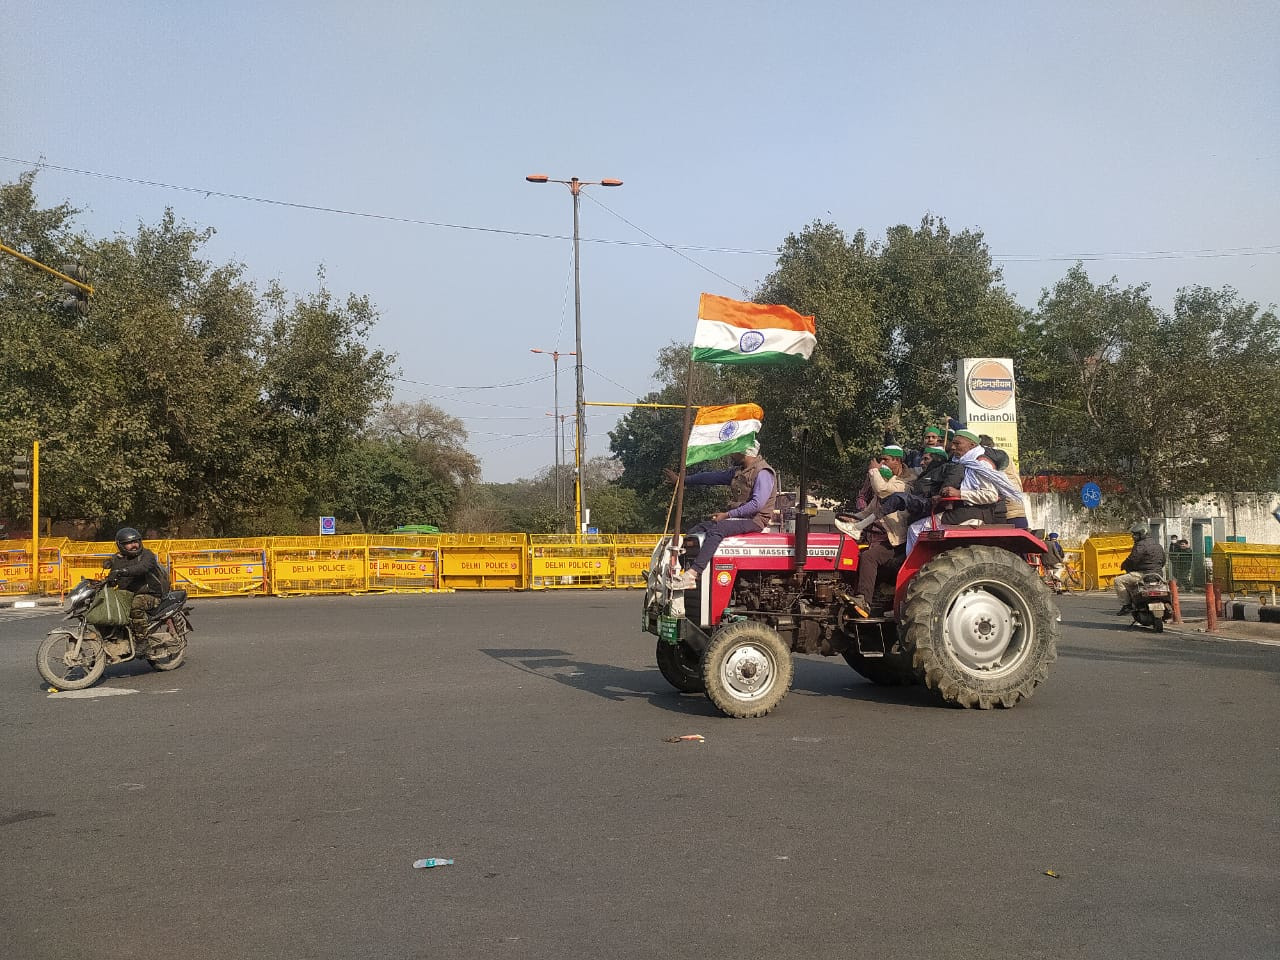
(752, 490)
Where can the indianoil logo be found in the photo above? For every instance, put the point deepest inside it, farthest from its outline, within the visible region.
(990, 384)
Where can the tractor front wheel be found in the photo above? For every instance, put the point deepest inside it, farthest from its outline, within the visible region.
(747, 669)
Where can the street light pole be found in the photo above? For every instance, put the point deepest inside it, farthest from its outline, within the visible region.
(555, 367)
(575, 187)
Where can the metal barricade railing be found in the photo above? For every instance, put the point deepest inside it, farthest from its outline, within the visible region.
(206, 571)
(404, 564)
(561, 565)
(84, 559)
(353, 564)
(484, 561)
(15, 567)
(317, 565)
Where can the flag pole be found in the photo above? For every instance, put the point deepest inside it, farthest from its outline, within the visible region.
(684, 454)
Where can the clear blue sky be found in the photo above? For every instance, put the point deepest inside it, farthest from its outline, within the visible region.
(1057, 129)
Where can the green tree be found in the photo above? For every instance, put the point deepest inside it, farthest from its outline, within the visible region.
(1169, 404)
(321, 385)
(175, 403)
(409, 467)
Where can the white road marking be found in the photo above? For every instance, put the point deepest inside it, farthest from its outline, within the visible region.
(91, 694)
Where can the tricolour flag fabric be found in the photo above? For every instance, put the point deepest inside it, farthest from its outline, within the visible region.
(731, 331)
(720, 431)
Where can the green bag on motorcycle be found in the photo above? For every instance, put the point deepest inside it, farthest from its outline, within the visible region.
(110, 608)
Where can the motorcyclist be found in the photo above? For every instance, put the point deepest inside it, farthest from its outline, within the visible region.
(136, 569)
(1147, 556)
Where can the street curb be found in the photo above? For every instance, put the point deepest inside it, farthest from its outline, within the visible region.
(1250, 610)
(23, 603)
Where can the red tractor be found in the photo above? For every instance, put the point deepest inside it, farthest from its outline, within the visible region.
(968, 617)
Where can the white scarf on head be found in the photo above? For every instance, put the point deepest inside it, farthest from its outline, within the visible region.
(974, 470)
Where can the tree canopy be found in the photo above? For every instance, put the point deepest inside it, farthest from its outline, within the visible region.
(189, 401)
(1167, 404)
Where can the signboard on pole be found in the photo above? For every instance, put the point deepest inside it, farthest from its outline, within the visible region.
(328, 526)
(987, 401)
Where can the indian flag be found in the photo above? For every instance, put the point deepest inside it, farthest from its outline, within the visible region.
(720, 431)
(730, 331)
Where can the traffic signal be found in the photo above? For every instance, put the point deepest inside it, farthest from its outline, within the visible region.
(74, 297)
(21, 471)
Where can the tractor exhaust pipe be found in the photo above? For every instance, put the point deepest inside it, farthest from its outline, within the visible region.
(801, 554)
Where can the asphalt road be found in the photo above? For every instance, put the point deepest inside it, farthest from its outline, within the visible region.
(269, 798)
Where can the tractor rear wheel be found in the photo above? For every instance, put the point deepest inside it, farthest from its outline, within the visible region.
(982, 627)
(747, 669)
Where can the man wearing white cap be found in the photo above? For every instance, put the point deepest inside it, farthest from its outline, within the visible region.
(752, 490)
(983, 486)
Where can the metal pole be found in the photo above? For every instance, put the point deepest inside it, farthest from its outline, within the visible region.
(35, 516)
(580, 428)
(555, 439)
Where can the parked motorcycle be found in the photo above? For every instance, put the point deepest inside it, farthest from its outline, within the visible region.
(72, 658)
(1152, 602)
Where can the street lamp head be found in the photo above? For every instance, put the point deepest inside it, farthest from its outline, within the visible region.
(610, 182)
(537, 178)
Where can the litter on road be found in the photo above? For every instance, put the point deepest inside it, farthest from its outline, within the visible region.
(696, 737)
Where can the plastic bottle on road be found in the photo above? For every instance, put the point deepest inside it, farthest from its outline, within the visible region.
(431, 862)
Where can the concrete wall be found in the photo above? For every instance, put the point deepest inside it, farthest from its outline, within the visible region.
(1247, 515)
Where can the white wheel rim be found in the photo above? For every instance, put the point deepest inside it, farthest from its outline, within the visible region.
(989, 630)
(748, 672)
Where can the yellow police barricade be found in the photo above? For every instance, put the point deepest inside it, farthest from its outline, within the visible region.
(84, 559)
(1103, 555)
(554, 564)
(218, 568)
(15, 567)
(311, 565)
(1246, 567)
(483, 561)
(405, 564)
(631, 558)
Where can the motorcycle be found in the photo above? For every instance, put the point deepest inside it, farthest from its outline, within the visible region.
(1152, 602)
(73, 658)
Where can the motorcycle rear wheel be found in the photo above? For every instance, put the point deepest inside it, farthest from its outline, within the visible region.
(61, 667)
(173, 653)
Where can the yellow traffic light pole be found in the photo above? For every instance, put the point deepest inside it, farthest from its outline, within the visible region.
(87, 288)
(35, 516)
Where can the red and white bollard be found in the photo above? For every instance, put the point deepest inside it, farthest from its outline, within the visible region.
(1211, 606)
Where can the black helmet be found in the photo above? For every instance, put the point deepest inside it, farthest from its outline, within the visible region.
(126, 536)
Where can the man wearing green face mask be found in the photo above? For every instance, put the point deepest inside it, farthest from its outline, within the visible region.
(883, 533)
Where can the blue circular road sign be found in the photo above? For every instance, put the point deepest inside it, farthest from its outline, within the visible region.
(1091, 495)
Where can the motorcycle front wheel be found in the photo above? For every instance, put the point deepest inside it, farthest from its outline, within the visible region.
(65, 667)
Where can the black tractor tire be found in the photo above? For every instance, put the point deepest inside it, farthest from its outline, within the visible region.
(681, 666)
(891, 670)
(747, 669)
(981, 625)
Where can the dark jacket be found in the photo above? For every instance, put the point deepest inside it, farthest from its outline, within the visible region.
(1147, 556)
(140, 574)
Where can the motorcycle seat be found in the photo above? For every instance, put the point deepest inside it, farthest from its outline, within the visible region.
(172, 601)
(1152, 578)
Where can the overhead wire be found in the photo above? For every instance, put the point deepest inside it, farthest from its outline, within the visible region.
(1272, 249)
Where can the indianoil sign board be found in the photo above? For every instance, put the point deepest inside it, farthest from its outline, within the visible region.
(987, 401)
